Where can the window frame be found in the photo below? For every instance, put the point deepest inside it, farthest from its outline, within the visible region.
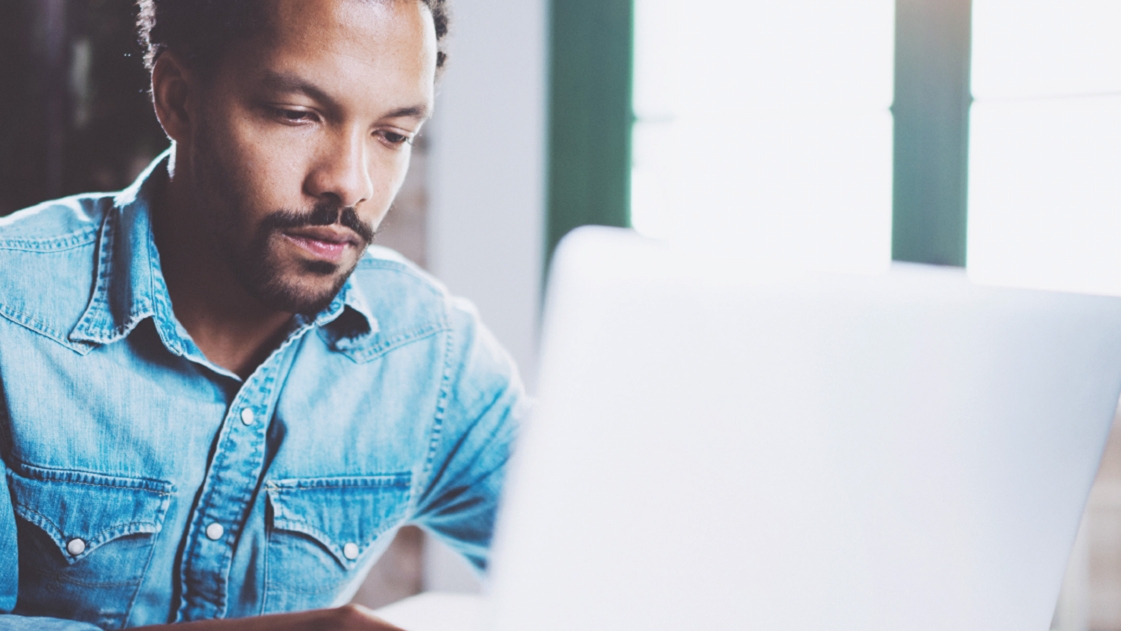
(591, 119)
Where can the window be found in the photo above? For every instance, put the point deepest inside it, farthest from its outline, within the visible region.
(764, 129)
(1045, 146)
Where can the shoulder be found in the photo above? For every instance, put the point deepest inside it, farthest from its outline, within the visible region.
(388, 269)
(423, 298)
(47, 262)
(55, 225)
(408, 304)
(478, 369)
(401, 290)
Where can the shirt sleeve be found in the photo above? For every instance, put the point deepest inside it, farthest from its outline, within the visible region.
(9, 553)
(9, 566)
(23, 623)
(482, 403)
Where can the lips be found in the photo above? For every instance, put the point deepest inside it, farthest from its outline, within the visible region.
(328, 243)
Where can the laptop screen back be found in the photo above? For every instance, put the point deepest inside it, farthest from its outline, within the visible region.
(719, 449)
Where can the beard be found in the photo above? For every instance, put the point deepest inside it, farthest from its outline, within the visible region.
(257, 267)
(300, 286)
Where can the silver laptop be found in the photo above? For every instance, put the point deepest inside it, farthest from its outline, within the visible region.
(716, 448)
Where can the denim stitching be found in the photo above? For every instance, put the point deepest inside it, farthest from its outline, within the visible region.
(370, 353)
(437, 422)
(91, 323)
(144, 572)
(71, 241)
(90, 478)
(102, 537)
(373, 481)
(33, 325)
(326, 540)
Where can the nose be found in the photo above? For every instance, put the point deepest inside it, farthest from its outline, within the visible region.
(342, 171)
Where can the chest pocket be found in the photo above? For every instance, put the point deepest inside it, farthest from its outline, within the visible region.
(85, 541)
(323, 530)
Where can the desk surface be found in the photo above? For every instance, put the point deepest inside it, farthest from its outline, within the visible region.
(436, 611)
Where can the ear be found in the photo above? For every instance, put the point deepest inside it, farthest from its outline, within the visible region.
(174, 95)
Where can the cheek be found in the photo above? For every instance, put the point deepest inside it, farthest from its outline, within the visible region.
(389, 173)
(265, 155)
(271, 168)
(279, 179)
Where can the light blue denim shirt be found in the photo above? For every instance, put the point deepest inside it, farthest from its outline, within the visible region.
(145, 484)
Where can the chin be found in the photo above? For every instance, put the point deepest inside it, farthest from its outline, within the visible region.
(307, 291)
(303, 298)
(287, 283)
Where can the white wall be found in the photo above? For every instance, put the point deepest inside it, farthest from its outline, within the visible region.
(487, 187)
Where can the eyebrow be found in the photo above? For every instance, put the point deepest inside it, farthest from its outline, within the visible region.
(286, 82)
(416, 111)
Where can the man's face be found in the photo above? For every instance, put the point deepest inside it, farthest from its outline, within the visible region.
(303, 139)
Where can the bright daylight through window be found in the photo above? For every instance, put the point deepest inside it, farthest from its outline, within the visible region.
(1045, 145)
(763, 129)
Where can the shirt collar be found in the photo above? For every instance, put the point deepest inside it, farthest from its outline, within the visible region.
(129, 284)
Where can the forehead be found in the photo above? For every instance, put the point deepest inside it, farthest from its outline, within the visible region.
(358, 47)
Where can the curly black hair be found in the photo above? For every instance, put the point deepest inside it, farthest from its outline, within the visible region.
(201, 30)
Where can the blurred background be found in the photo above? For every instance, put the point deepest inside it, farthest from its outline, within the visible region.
(983, 134)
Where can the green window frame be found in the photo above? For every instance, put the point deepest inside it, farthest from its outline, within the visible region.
(591, 116)
(931, 155)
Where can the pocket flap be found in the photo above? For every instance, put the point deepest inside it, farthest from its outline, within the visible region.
(93, 509)
(345, 515)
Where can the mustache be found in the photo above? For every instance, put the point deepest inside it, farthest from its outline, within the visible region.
(325, 213)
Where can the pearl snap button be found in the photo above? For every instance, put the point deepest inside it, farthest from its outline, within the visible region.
(76, 547)
(350, 551)
(247, 416)
(215, 531)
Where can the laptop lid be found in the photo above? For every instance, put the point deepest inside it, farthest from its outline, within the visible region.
(717, 449)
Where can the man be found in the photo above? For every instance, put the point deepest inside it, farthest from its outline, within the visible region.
(215, 402)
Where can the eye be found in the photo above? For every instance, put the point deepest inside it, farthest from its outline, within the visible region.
(395, 139)
(292, 116)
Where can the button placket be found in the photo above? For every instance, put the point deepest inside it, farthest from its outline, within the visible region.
(229, 489)
(227, 497)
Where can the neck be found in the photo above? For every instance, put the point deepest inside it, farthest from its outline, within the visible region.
(231, 327)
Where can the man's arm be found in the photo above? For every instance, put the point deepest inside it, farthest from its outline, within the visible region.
(482, 402)
(348, 618)
(9, 551)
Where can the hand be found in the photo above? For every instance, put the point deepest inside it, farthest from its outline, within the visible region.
(345, 618)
